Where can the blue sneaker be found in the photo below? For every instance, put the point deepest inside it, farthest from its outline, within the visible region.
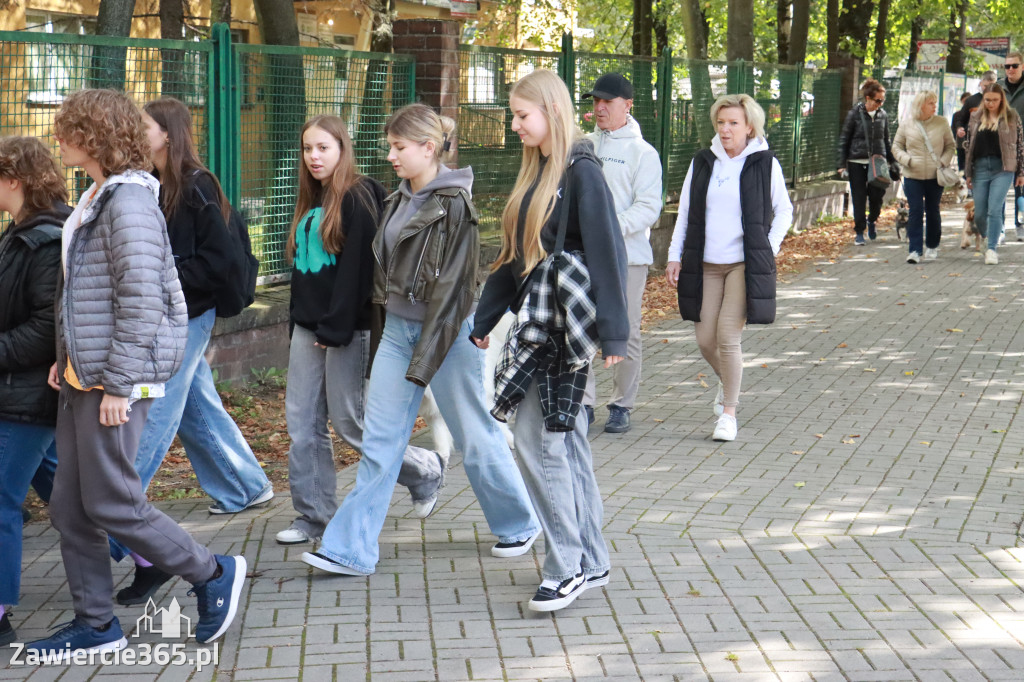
(859, 239)
(218, 598)
(77, 636)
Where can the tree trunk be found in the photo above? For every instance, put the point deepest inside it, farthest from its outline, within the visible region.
(220, 10)
(661, 13)
(107, 69)
(881, 32)
(740, 37)
(695, 27)
(172, 68)
(832, 31)
(957, 37)
(798, 33)
(783, 29)
(382, 36)
(916, 31)
(855, 25)
(643, 26)
(697, 125)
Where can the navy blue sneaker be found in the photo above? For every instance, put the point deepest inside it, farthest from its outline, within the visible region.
(618, 420)
(218, 598)
(872, 235)
(859, 239)
(78, 636)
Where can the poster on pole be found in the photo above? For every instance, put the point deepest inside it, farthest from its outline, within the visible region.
(994, 50)
(931, 55)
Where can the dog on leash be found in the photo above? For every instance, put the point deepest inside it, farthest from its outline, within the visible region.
(444, 444)
(961, 191)
(902, 217)
(969, 229)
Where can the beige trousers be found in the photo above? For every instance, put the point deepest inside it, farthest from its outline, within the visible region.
(723, 312)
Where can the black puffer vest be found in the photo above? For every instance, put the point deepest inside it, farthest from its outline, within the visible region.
(759, 259)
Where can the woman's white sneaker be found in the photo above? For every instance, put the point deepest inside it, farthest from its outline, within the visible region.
(294, 536)
(931, 254)
(725, 429)
(991, 258)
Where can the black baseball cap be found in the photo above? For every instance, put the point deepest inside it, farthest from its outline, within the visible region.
(610, 86)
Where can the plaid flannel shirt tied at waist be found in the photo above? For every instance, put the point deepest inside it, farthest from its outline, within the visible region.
(553, 340)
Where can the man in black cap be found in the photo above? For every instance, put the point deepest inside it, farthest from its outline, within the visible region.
(632, 170)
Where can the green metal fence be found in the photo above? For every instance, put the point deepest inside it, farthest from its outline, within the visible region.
(248, 103)
(39, 69)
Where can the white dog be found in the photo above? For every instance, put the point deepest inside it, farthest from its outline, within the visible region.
(444, 444)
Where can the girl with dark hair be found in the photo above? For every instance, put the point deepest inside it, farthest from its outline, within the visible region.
(32, 191)
(425, 266)
(995, 161)
(865, 133)
(332, 272)
(196, 212)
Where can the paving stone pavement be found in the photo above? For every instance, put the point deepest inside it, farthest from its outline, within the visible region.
(864, 526)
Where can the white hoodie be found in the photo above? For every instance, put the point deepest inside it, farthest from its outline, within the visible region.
(632, 170)
(723, 237)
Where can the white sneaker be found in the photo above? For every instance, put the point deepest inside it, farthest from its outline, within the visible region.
(991, 258)
(913, 257)
(262, 500)
(725, 429)
(720, 400)
(423, 508)
(294, 536)
(931, 254)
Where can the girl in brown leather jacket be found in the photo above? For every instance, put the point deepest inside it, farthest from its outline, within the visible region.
(425, 255)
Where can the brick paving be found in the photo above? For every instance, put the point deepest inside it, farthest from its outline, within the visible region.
(863, 527)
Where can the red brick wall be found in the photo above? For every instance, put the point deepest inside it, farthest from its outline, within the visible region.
(435, 45)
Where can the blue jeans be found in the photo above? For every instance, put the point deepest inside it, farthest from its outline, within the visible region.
(223, 462)
(22, 447)
(923, 197)
(991, 183)
(392, 401)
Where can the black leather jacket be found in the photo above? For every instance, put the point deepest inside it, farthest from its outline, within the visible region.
(433, 263)
(854, 142)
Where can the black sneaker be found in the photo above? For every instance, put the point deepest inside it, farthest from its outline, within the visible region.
(554, 597)
(618, 420)
(871, 231)
(146, 582)
(599, 580)
(859, 239)
(504, 550)
(7, 634)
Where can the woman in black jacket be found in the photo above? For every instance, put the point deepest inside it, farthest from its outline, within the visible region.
(865, 133)
(32, 190)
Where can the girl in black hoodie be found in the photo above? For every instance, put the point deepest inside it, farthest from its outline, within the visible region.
(32, 191)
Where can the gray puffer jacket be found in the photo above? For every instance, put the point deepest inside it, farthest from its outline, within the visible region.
(121, 314)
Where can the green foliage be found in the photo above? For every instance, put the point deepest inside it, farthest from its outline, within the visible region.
(270, 376)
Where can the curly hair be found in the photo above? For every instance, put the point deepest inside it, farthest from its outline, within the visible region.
(871, 87)
(29, 161)
(106, 125)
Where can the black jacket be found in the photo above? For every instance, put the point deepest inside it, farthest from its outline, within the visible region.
(433, 263)
(854, 142)
(29, 268)
(593, 229)
(758, 257)
(200, 242)
(330, 293)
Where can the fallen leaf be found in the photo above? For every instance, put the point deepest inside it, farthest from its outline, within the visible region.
(955, 330)
(799, 484)
(659, 420)
(664, 340)
(909, 374)
(954, 274)
(870, 369)
(703, 384)
(975, 307)
(819, 435)
(962, 395)
(854, 435)
(901, 303)
(849, 441)
(799, 452)
(764, 364)
(842, 345)
(998, 430)
(823, 331)
(925, 442)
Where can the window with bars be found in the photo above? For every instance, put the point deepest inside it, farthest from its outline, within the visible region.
(56, 69)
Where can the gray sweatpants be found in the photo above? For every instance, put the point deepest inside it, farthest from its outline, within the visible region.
(626, 374)
(97, 492)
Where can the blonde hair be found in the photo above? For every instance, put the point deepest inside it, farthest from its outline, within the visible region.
(312, 192)
(920, 99)
(547, 91)
(752, 111)
(106, 125)
(421, 124)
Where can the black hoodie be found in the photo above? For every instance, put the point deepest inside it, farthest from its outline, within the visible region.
(593, 229)
(29, 266)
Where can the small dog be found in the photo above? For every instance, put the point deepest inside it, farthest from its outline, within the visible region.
(961, 191)
(969, 229)
(902, 216)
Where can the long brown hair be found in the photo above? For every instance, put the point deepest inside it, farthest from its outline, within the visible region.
(29, 161)
(346, 177)
(183, 161)
(1005, 113)
(546, 90)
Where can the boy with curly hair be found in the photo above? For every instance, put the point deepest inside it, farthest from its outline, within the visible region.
(121, 331)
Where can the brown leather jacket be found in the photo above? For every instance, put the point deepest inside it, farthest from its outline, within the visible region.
(434, 262)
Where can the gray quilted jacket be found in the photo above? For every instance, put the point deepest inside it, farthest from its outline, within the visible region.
(121, 315)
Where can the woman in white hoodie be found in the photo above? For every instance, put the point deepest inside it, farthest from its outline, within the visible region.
(734, 212)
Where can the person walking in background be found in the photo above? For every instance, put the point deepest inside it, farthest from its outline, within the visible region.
(865, 133)
(330, 247)
(970, 105)
(121, 334)
(426, 254)
(1013, 84)
(995, 161)
(734, 212)
(923, 138)
(632, 170)
(197, 213)
(959, 121)
(33, 193)
(560, 199)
